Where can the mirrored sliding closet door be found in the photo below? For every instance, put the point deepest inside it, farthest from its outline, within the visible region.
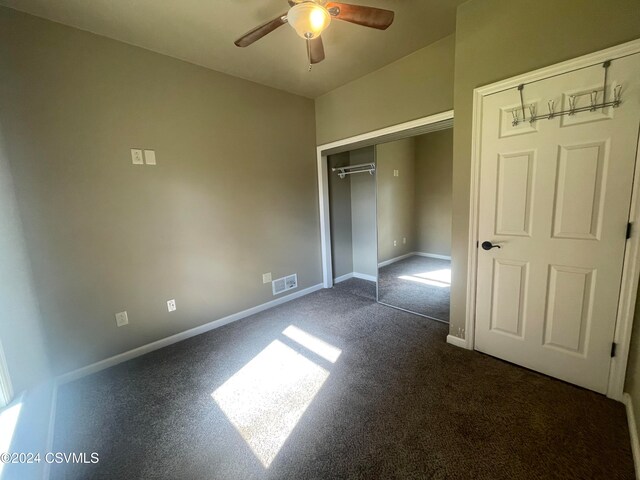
(413, 181)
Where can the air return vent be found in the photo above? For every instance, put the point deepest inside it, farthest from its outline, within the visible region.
(285, 283)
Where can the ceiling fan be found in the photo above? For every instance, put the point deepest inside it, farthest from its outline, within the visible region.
(309, 18)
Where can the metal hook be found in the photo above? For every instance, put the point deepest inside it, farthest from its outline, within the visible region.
(617, 94)
(572, 104)
(551, 104)
(594, 100)
(532, 113)
(514, 114)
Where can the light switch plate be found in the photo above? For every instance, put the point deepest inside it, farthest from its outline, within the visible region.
(266, 277)
(171, 305)
(404, 240)
(122, 319)
(150, 157)
(136, 156)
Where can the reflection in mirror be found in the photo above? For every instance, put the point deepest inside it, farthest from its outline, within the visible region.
(414, 179)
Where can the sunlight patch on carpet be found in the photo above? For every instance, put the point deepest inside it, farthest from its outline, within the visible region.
(317, 346)
(436, 278)
(266, 398)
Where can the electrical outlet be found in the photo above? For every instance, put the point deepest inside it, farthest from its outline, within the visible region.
(150, 157)
(395, 243)
(396, 173)
(136, 156)
(171, 305)
(122, 319)
(266, 277)
(404, 240)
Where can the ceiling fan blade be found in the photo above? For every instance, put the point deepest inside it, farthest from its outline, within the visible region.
(366, 16)
(259, 32)
(316, 50)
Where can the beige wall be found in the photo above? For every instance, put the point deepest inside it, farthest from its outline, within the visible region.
(234, 193)
(20, 321)
(433, 172)
(22, 334)
(396, 198)
(497, 39)
(415, 86)
(340, 217)
(363, 214)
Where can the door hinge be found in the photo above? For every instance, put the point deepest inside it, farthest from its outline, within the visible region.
(613, 349)
(477, 244)
(629, 226)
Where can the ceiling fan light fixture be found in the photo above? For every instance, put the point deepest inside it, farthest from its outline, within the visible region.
(308, 19)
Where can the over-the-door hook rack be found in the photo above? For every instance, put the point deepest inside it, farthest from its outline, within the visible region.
(572, 99)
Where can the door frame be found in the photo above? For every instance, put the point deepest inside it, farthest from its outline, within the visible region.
(434, 122)
(6, 388)
(631, 265)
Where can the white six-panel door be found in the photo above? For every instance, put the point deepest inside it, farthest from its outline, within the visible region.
(555, 196)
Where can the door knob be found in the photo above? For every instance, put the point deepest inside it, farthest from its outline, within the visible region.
(489, 246)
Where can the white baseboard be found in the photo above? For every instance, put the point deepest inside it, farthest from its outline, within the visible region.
(364, 276)
(410, 254)
(178, 337)
(432, 255)
(342, 278)
(633, 432)
(457, 341)
(395, 259)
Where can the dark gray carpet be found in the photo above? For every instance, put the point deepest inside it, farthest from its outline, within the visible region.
(419, 293)
(397, 403)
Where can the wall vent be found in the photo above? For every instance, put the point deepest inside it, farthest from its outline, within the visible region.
(283, 284)
(291, 281)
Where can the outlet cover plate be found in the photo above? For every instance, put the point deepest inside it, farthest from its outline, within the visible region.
(122, 319)
(150, 157)
(266, 277)
(171, 305)
(136, 156)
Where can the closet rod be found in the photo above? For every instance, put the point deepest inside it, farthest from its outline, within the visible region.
(350, 169)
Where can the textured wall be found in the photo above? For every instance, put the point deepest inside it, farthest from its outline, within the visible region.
(363, 214)
(415, 86)
(396, 198)
(340, 217)
(234, 193)
(20, 321)
(434, 168)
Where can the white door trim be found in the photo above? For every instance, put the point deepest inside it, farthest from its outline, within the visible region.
(631, 268)
(323, 178)
(6, 388)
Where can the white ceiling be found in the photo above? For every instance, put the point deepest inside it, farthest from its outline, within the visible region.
(203, 32)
